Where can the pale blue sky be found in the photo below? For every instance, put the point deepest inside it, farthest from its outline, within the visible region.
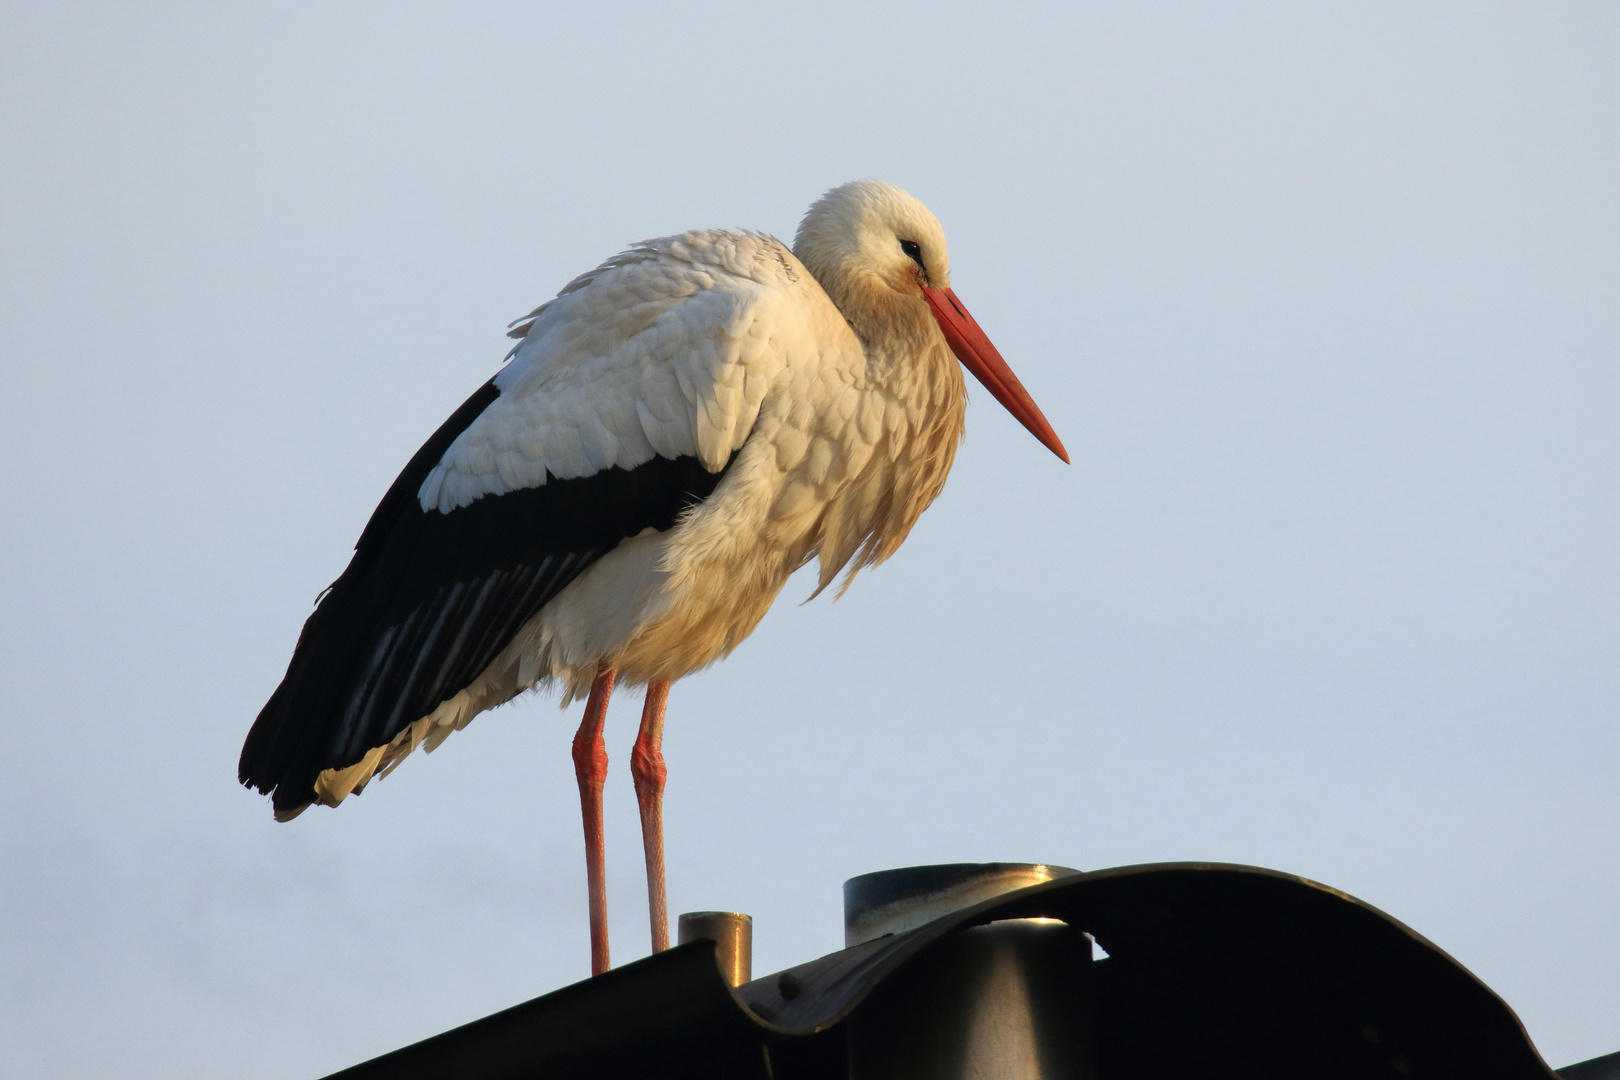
(1322, 298)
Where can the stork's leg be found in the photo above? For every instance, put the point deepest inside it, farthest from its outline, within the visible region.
(647, 766)
(590, 767)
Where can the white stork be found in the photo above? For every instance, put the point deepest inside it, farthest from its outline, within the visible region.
(675, 434)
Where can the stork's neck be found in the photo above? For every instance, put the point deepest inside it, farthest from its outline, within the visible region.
(911, 370)
(896, 329)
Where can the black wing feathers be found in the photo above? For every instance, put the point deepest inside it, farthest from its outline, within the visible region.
(430, 599)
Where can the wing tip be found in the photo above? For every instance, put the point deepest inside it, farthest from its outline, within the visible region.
(288, 813)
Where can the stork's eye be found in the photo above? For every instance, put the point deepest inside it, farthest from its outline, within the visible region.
(913, 252)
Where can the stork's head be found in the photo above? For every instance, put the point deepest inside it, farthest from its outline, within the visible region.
(881, 257)
(867, 234)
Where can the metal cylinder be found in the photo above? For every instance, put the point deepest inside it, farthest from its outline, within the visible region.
(1010, 1000)
(733, 935)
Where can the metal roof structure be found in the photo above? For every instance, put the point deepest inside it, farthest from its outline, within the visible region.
(1211, 971)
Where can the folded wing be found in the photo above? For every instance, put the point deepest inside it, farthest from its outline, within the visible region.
(623, 404)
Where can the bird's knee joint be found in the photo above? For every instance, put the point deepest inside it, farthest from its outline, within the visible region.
(647, 766)
(590, 759)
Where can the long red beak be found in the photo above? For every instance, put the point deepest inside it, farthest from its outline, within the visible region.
(973, 348)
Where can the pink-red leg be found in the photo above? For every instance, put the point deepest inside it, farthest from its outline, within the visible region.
(590, 767)
(647, 766)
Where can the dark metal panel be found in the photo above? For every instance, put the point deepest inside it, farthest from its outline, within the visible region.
(1213, 971)
(1606, 1067)
(1223, 970)
(657, 1017)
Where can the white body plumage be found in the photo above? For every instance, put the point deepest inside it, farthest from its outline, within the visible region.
(836, 392)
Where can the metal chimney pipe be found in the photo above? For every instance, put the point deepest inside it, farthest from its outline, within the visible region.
(1011, 1000)
(733, 935)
